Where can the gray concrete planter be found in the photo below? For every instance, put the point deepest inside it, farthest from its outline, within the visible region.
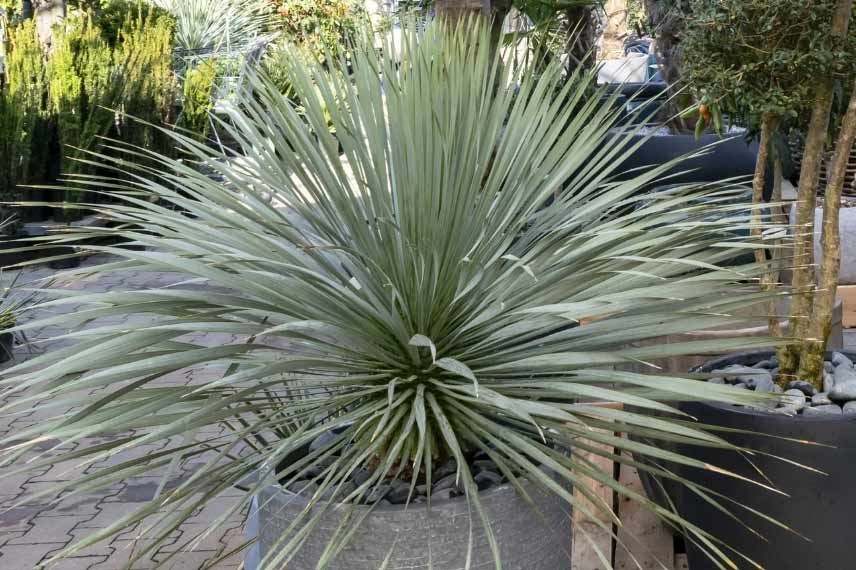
(847, 227)
(416, 535)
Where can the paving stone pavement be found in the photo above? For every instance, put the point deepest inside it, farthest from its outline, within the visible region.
(29, 534)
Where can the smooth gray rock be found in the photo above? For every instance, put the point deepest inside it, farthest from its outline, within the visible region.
(304, 487)
(829, 367)
(449, 467)
(850, 408)
(843, 392)
(399, 493)
(447, 482)
(794, 399)
(377, 493)
(844, 374)
(787, 411)
(805, 387)
(736, 373)
(839, 360)
(767, 364)
(764, 384)
(820, 399)
(828, 380)
(487, 479)
(829, 410)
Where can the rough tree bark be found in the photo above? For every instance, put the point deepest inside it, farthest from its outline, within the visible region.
(811, 360)
(803, 274)
(583, 38)
(668, 19)
(456, 10)
(769, 123)
(47, 14)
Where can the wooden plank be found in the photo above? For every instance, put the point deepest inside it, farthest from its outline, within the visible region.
(644, 541)
(586, 533)
(847, 293)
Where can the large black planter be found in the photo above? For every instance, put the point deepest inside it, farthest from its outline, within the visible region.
(819, 507)
(732, 157)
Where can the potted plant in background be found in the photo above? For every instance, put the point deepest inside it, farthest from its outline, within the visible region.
(670, 114)
(421, 343)
(777, 62)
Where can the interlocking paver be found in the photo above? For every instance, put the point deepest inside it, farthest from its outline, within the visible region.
(29, 534)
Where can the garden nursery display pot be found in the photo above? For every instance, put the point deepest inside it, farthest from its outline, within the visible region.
(731, 156)
(423, 538)
(819, 506)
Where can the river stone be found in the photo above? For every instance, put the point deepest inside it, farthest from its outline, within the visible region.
(305, 487)
(487, 479)
(448, 468)
(828, 366)
(447, 482)
(377, 493)
(844, 375)
(803, 386)
(843, 392)
(765, 384)
(767, 364)
(399, 493)
(840, 360)
(850, 408)
(828, 410)
(828, 380)
(794, 399)
(820, 399)
(743, 374)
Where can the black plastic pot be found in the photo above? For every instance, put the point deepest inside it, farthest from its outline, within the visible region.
(819, 507)
(7, 346)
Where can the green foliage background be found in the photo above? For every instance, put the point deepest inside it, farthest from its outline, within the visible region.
(751, 57)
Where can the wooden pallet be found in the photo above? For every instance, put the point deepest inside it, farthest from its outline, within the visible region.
(642, 540)
(847, 293)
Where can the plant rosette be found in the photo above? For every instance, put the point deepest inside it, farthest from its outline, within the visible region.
(466, 279)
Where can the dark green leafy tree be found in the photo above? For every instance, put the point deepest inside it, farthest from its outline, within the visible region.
(774, 65)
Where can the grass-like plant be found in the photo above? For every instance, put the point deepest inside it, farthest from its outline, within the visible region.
(465, 280)
(217, 25)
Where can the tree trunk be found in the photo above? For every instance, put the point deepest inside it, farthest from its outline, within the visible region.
(668, 19)
(803, 274)
(769, 123)
(47, 14)
(583, 38)
(616, 29)
(457, 10)
(811, 360)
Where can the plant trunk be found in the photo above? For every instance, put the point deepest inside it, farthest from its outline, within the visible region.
(811, 360)
(458, 10)
(803, 273)
(47, 14)
(583, 37)
(668, 19)
(769, 123)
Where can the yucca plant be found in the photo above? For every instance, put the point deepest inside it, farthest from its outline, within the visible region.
(217, 25)
(464, 281)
